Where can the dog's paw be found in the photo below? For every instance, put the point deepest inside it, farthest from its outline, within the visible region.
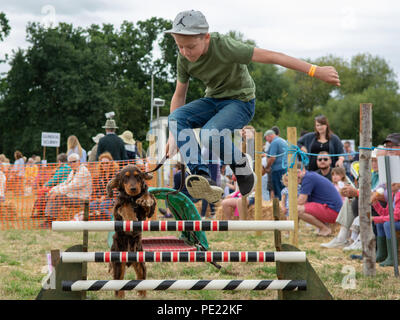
(145, 201)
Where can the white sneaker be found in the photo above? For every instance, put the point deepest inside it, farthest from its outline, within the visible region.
(334, 243)
(356, 245)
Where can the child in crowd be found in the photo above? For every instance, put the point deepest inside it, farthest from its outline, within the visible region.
(339, 178)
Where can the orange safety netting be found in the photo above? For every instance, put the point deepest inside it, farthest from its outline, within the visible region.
(25, 196)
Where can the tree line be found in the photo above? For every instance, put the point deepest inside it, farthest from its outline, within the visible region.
(69, 77)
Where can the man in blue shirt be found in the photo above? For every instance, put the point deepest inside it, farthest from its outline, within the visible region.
(318, 202)
(277, 163)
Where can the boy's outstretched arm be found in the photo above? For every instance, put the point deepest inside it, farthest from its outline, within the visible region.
(327, 73)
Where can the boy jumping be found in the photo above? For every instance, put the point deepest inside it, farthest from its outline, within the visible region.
(220, 62)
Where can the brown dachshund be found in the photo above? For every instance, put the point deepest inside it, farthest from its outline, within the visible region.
(133, 203)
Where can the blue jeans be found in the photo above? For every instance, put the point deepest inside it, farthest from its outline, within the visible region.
(277, 182)
(383, 229)
(222, 116)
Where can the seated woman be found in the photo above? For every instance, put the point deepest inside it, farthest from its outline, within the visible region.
(62, 172)
(384, 253)
(100, 205)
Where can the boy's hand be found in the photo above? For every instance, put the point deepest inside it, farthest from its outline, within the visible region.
(328, 74)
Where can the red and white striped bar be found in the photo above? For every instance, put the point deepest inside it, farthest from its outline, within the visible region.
(116, 285)
(184, 256)
(181, 225)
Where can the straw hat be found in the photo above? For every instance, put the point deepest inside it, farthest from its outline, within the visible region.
(110, 124)
(97, 137)
(127, 137)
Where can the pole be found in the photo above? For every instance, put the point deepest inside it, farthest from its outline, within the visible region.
(44, 153)
(292, 188)
(364, 206)
(244, 199)
(152, 98)
(257, 165)
(392, 227)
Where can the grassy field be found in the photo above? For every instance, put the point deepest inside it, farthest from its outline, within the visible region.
(23, 266)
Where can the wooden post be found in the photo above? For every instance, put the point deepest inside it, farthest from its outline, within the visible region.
(278, 242)
(258, 171)
(364, 205)
(292, 187)
(139, 148)
(85, 245)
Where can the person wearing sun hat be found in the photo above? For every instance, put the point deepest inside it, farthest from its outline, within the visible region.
(130, 144)
(111, 142)
(93, 152)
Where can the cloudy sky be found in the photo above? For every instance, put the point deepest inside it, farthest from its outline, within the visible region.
(304, 29)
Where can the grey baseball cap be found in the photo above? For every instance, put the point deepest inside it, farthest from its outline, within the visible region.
(189, 22)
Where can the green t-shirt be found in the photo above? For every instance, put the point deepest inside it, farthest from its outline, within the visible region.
(223, 69)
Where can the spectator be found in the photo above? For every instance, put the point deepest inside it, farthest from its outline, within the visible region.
(276, 163)
(93, 151)
(384, 242)
(127, 137)
(276, 130)
(265, 179)
(227, 184)
(18, 173)
(72, 192)
(339, 179)
(3, 184)
(318, 201)
(324, 163)
(349, 211)
(31, 172)
(232, 205)
(349, 158)
(61, 174)
(112, 143)
(101, 205)
(73, 146)
(322, 139)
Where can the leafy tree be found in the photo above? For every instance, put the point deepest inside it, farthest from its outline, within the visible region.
(4, 26)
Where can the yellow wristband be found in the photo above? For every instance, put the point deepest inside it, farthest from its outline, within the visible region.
(312, 70)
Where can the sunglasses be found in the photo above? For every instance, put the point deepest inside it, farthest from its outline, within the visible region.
(323, 159)
(73, 161)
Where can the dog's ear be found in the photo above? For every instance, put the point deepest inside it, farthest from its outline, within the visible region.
(112, 184)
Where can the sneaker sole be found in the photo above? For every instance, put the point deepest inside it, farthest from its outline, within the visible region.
(199, 188)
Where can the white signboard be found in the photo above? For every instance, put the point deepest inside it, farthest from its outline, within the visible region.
(50, 139)
(394, 162)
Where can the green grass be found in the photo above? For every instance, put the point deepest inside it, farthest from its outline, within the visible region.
(23, 256)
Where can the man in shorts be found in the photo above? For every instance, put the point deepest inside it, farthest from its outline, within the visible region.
(318, 202)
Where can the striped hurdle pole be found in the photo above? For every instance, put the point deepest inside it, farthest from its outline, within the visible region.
(182, 256)
(116, 285)
(181, 225)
